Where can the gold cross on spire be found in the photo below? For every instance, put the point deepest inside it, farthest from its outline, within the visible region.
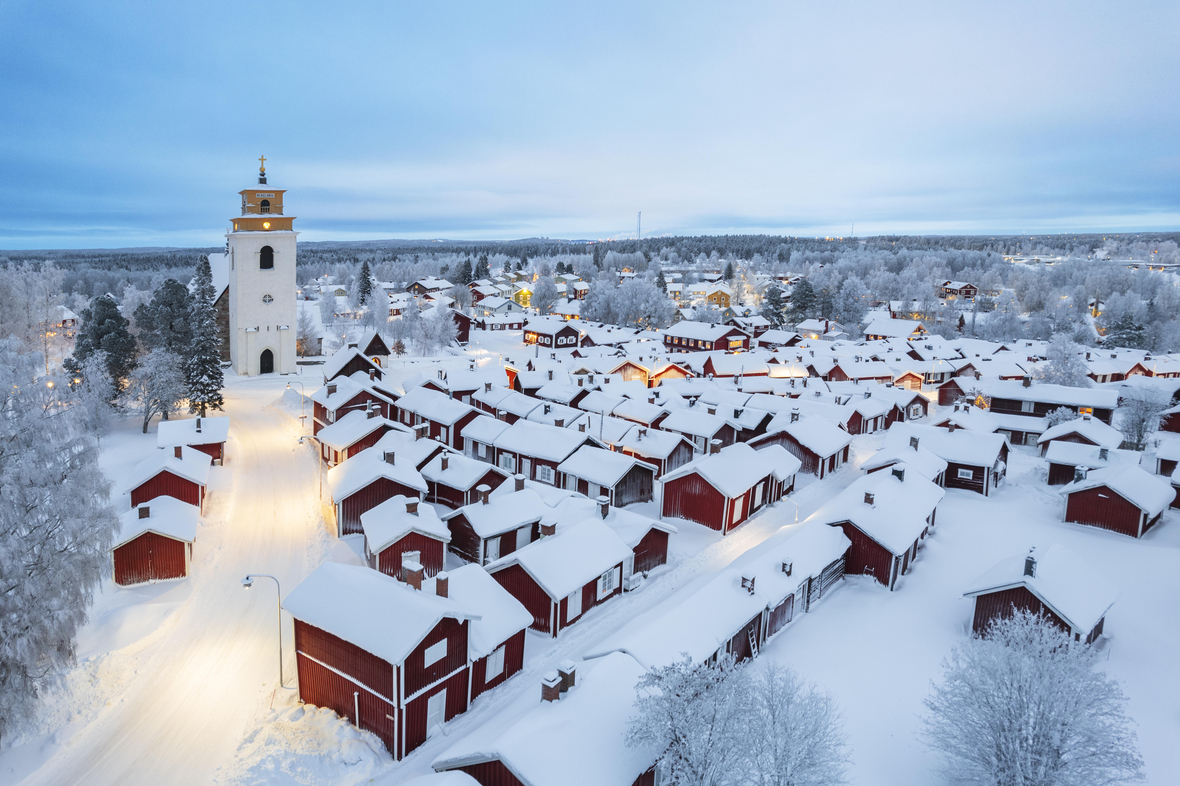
(262, 163)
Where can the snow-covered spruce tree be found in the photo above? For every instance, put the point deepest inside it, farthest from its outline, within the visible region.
(803, 302)
(693, 712)
(164, 320)
(364, 286)
(1139, 416)
(1026, 706)
(56, 530)
(794, 731)
(1065, 365)
(1126, 332)
(91, 396)
(730, 274)
(156, 386)
(104, 330)
(463, 274)
(662, 282)
(481, 268)
(773, 307)
(202, 367)
(306, 331)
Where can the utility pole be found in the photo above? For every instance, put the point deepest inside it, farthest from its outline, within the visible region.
(638, 225)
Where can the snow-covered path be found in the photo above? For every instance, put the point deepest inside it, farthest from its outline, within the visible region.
(199, 687)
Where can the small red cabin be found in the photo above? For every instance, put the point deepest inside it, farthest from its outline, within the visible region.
(182, 473)
(401, 528)
(155, 542)
(1123, 499)
(207, 435)
(724, 489)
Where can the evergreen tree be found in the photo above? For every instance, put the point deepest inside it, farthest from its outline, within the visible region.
(482, 270)
(662, 282)
(523, 263)
(773, 306)
(730, 273)
(1126, 333)
(364, 287)
(104, 330)
(202, 369)
(463, 275)
(802, 302)
(164, 321)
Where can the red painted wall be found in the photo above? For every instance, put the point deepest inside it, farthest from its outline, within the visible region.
(1002, 604)
(150, 557)
(433, 556)
(491, 773)
(325, 688)
(414, 714)
(693, 498)
(165, 484)
(366, 499)
(522, 587)
(513, 663)
(215, 450)
(652, 551)
(866, 556)
(1102, 507)
(417, 675)
(364, 667)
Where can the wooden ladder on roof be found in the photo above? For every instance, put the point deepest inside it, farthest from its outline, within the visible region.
(753, 643)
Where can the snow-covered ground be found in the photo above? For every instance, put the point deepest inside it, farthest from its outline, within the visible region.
(177, 682)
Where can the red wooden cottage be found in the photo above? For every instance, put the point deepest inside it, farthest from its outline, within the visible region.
(444, 416)
(536, 450)
(207, 435)
(1123, 499)
(550, 333)
(356, 431)
(155, 541)
(495, 642)
(686, 336)
(452, 479)
(913, 457)
(396, 665)
(976, 461)
(663, 449)
(700, 425)
(182, 473)
(1085, 430)
(1056, 584)
(594, 472)
(374, 476)
(1066, 458)
(347, 394)
(347, 362)
(401, 529)
(820, 446)
(724, 489)
(575, 735)
(1170, 419)
(562, 576)
(885, 515)
(646, 537)
(484, 531)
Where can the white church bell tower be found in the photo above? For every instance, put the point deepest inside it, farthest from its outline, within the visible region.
(262, 310)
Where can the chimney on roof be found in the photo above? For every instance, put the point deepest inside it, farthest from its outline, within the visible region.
(641, 433)
(1030, 564)
(548, 527)
(714, 446)
(914, 443)
(794, 414)
(483, 490)
(412, 507)
(1086, 416)
(603, 505)
(545, 409)
(145, 511)
(519, 482)
(870, 499)
(198, 424)
(551, 687)
(389, 457)
(566, 671)
(582, 426)
(332, 389)
(372, 375)
(1079, 474)
(440, 373)
(956, 407)
(370, 412)
(421, 430)
(1027, 381)
(176, 452)
(1103, 454)
(487, 387)
(580, 381)
(788, 566)
(412, 572)
(1087, 356)
(748, 584)
(442, 584)
(712, 410)
(550, 374)
(899, 473)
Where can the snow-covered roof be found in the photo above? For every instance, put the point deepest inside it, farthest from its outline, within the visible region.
(1072, 588)
(390, 521)
(604, 467)
(355, 426)
(651, 443)
(1078, 454)
(820, 436)
(484, 430)
(1150, 493)
(168, 516)
(476, 378)
(540, 441)
(508, 511)
(695, 422)
(1091, 428)
(547, 326)
(701, 331)
(391, 622)
(897, 515)
(434, 406)
(892, 328)
(335, 364)
(461, 473)
(961, 446)
(501, 616)
(736, 469)
(346, 388)
(570, 559)
(192, 465)
(367, 466)
(184, 432)
(918, 459)
(577, 741)
(1102, 398)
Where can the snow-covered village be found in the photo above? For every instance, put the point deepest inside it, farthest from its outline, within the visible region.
(294, 490)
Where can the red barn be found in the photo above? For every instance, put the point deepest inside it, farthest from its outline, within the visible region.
(723, 489)
(1123, 499)
(155, 541)
(1057, 584)
(401, 529)
(207, 435)
(396, 665)
(182, 473)
(561, 577)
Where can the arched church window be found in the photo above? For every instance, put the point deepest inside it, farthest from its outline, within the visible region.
(264, 206)
(266, 258)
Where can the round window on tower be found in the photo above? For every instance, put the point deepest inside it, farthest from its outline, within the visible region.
(267, 299)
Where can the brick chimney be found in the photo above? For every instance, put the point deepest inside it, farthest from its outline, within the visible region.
(551, 687)
(483, 490)
(899, 473)
(332, 389)
(914, 443)
(412, 573)
(566, 670)
(372, 375)
(559, 422)
(519, 482)
(389, 459)
(412, 507)
(870, 498)
(714, 446)
(548, 527)
(550, 375)
(711, 410)
(370, 413)
(1030, 564)
(176, 452)
(603, 505)
(421, 430)
(446, 461)
(1027, 381)
(145, 512)
(442, 585)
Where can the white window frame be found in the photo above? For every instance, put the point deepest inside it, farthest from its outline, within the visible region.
(965, 474)
(739, 507)
(608, 581)
(436, 712)
(545, 474)
(494, 666)
(1026, 406)
(507, 461)
(492, 549)
(434, 653)
(570, 600)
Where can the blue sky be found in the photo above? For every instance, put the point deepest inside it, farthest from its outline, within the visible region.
(135, 124)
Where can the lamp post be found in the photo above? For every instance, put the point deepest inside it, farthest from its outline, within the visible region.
(302, 397)
(247, 583)
(319, 468)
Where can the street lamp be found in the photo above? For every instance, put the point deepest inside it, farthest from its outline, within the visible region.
(302, 396)
(247, 583)
(318, 465)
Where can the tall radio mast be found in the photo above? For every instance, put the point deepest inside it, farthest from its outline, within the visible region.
(638, 225)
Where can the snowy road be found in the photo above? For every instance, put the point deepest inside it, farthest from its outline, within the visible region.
(200, 686)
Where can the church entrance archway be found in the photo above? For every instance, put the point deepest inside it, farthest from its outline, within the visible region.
(266, 362)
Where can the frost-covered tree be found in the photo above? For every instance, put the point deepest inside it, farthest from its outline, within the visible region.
(364, 284)
(794, 732)
(1059, 416)
(306, 330)
(436, 330)
(91, 395)
(164, 320)
(544, 295)
(481, 269)
(1139, 415)
(463, 274)
(462, 297)
(1126, 332)
(802, 302)
(398, 347)
(104, 330)
(1064, 365)
(202, 366)
(1027, 706)
(851, 302)
(56, 530)
(693, 712)
(156, 386)
(773, 307)
(327, 306)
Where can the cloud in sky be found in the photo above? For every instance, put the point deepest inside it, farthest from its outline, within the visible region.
(137, 123)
